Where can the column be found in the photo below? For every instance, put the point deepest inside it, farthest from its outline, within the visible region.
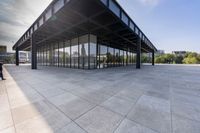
(33, 53)
(17, 57)
(138, 58)
(153, 58)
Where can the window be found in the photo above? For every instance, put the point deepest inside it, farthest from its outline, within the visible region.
(59, 4)
(61, 54)
(74, 53)
(41, 21)
(136, 31)
(113, 7)
(35, 27)
(48, 14)
(103, 56)
(132, 26)
(56, 56)
(124, 18)
(93, 51)
(110, 57)
(67, 53)
(117, 57)
(83, 51)
(121, 60)
(104, 1)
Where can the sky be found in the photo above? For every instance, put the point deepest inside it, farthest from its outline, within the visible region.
(171, 25)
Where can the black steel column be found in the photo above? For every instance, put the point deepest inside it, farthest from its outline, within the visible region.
(17, 57)
(138, 58)
(33, 53)
(153, 58)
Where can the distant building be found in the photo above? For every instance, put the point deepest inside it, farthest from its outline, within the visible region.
(6, 57)
(179, 53)
(3, 49)
(24, 57)
(160, 52)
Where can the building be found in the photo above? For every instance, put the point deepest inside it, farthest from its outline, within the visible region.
(3, 49)
(160, 52)
(24, 57)
(85, 34)
(6, 57)
(179, 53)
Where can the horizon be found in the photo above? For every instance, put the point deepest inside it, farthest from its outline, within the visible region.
(179, 23)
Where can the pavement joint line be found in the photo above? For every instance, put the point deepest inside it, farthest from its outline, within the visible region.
(60, 111)
(9, 103)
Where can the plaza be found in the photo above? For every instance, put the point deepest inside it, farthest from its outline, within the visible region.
(159, 99)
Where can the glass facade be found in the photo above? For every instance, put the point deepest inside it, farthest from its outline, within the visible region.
(84, 53)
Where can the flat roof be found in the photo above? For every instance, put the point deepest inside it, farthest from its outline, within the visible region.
(64, 19)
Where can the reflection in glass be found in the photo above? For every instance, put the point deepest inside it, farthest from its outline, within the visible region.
(110, 57)
(83, 49)
(93, 51)
(67, 53)
(74, 53)
(61, 54)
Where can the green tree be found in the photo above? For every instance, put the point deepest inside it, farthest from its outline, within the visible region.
(179, 59)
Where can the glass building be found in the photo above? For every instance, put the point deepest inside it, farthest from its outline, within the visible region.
(89, 34)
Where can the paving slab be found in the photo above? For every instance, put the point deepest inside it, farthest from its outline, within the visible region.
(159, 99)
(128, 126)
(119, 105)
(153, 113)
(99, 120)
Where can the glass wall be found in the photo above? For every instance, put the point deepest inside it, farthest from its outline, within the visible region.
(83, 52)
(67, 52)
(93, 51)
(74, 53)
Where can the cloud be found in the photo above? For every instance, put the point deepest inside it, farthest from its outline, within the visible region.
(16, 16)
(150, 2)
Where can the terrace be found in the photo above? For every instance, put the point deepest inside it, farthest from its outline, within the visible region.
(160, 99)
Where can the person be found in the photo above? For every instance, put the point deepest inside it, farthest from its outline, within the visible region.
(1, 70)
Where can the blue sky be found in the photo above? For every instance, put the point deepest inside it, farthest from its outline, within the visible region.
(169, 24)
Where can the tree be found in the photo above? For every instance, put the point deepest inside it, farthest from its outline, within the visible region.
(179, 59)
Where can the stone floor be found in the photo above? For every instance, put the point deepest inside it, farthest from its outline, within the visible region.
(159, 99)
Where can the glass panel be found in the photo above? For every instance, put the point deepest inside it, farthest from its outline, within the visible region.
(113, 7)
(83, 50)
(41, 21)
(67, 53)
(61, 54)
(136, 30)
(93, 51)
(51, 55)
(121, 58)
(48, 55)
(103, 56)
(44, 55)
(56, 50)
(104, 1)
(117, 57)
(58, 5)
(132, 26)
(110, 57)
(48, 14)
(74, 52)
(124, 18)
(35, 27)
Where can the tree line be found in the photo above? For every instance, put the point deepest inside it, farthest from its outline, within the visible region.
(188, 58)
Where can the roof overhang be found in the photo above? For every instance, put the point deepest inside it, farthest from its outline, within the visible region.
(79, 17)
